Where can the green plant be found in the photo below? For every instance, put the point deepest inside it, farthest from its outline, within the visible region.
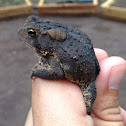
(17, 1)
(0, 1)
(103, 1)
(10, 2)
(6, 2)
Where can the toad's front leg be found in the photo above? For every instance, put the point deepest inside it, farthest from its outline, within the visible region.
(48, 69)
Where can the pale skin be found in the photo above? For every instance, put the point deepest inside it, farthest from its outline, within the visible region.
(60, 102)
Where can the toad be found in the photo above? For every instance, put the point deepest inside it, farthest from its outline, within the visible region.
(63, 52)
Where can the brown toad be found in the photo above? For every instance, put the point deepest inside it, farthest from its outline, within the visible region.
(63, 52)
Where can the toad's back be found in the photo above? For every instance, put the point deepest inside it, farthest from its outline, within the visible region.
(75, 53)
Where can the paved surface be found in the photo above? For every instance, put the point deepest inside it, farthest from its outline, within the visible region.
(16, 61)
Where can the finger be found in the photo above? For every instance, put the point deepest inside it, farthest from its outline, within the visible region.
(29, 120)
(106, 107)
(123, 113)
(100, 54)
(58, 102)
(78, 108)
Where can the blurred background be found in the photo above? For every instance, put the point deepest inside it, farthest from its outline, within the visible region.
(16, 60)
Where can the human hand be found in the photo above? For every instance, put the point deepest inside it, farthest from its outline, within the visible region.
(61, 103)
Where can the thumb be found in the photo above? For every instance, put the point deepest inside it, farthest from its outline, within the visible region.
(106, 108)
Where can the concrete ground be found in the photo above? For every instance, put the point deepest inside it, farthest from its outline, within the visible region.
(16, 61)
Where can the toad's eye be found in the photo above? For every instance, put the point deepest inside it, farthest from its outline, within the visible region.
(31, 33)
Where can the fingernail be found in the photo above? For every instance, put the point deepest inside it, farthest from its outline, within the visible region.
(116, 76)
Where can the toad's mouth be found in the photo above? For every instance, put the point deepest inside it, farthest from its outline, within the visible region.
(29, 45)
(35, 47)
